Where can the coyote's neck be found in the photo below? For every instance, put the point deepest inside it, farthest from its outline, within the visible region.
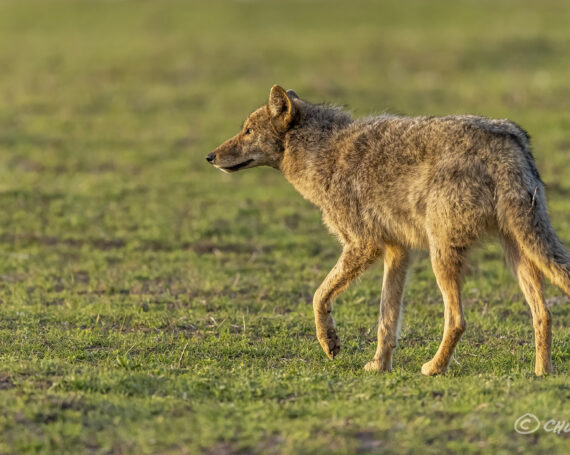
(301, 174)
(309, 166)
(311, 150)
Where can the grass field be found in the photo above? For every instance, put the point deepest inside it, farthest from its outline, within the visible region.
(150, 304)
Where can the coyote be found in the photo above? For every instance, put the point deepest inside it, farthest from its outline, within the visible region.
(390, 184)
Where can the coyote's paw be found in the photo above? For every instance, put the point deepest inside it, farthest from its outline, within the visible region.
(330, 343)
(543, 369)
(431, 368)
(377, 365)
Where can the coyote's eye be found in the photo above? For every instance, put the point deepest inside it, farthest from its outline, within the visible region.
(248, 131)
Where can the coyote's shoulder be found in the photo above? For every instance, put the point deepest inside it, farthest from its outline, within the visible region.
(389, 183)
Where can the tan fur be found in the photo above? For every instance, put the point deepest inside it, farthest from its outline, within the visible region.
(389, 184)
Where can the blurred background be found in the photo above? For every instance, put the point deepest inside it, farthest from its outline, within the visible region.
(125, 258)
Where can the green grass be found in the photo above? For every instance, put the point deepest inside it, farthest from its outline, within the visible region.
(149, 304)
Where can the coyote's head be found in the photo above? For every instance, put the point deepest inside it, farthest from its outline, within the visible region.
(261, 139)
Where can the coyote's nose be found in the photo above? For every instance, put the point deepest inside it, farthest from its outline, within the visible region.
(211, 157)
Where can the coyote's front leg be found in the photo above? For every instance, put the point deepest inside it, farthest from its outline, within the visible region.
(352, 262)
(396, 259)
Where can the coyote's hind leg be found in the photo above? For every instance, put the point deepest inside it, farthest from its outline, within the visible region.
(447, 266)
(531, 282)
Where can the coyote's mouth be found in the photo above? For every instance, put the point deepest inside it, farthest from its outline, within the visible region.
(238, 166)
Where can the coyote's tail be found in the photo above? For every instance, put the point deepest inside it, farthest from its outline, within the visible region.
(528, 222)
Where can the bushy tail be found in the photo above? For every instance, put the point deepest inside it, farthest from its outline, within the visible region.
(528, 222)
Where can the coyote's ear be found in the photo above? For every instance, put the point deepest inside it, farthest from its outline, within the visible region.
(281, 109)
(292, 95)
